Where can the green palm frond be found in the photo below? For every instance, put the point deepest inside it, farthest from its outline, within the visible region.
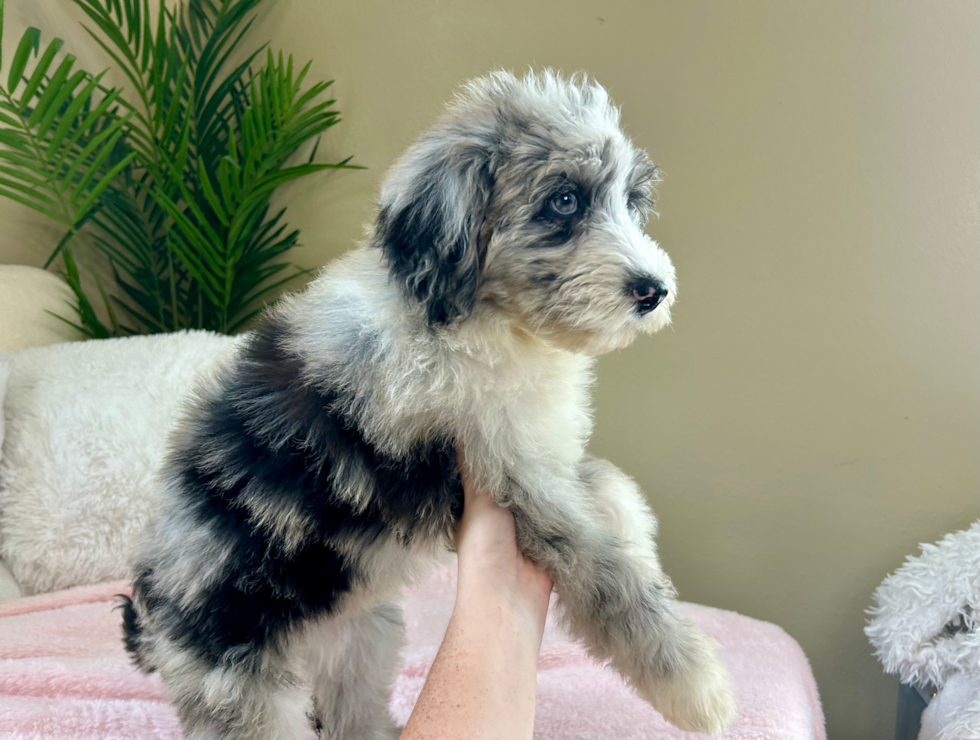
(213, 236)
(60, 141)
(175, 176)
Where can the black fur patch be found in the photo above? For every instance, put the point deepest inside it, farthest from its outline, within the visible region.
(268, 442)
(131, 631)
(430, 242)
(427, 270)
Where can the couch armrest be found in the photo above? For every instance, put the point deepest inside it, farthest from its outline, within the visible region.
(26, 294)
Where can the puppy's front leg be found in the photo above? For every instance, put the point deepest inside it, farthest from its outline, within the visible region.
(594, 534)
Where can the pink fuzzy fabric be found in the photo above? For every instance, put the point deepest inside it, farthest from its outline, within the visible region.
(63, 674)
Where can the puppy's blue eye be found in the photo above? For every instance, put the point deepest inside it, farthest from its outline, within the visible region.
(564, 204)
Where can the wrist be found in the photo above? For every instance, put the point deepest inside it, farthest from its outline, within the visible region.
(511, 619)
(518, 590)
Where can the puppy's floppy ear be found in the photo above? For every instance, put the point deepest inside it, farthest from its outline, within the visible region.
(433, 204)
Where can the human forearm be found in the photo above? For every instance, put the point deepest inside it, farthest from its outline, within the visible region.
(482, 683)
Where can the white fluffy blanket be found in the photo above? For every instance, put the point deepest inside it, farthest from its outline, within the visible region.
(86, 424)
(925, 628)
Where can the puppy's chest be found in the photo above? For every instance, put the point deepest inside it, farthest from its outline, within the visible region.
(532, 406)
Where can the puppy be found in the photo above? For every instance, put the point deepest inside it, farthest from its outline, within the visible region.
(318, 475)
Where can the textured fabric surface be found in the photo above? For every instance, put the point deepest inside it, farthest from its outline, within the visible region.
(85, 425)
(954, 712)
(9, 589)
(926, 615)
(925, 627)
(63, 674)
(4, 374)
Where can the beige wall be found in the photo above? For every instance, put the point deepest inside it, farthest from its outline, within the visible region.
(813, 413)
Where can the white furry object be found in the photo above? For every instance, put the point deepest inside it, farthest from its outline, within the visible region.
(914, 605)
(4, 374)
(966, 724)
(86, 425)
(925, 628)
(954, 712)
(8, 586)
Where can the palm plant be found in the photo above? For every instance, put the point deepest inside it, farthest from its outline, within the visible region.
(173, 179)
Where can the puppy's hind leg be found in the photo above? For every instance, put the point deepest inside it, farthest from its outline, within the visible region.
(352, 660)
(261, 695)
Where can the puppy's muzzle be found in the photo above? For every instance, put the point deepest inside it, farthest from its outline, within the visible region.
(648, 294)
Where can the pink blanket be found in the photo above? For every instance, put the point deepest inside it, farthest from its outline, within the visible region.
(63, 674)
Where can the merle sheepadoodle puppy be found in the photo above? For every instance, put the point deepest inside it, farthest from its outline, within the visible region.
(317, 474)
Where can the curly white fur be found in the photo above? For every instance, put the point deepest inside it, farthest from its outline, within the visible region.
(86, 426)
(925, 626)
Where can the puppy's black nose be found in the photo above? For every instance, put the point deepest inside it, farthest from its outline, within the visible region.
(648, 294)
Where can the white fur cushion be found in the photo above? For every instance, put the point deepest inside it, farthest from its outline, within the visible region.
(8, 586)
(926, 628)
(4, 372)
(913, 606)
(86, 426)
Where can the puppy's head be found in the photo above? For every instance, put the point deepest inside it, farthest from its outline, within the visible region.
(528, 199)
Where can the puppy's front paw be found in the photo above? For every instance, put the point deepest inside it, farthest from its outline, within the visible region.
(698, 699)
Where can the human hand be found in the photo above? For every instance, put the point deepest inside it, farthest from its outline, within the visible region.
(490, 562)
(483, 681)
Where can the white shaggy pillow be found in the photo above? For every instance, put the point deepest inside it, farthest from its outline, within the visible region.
(86, 427)
(4, 372)
(916, 604)
(8, 586)
(926, 628)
